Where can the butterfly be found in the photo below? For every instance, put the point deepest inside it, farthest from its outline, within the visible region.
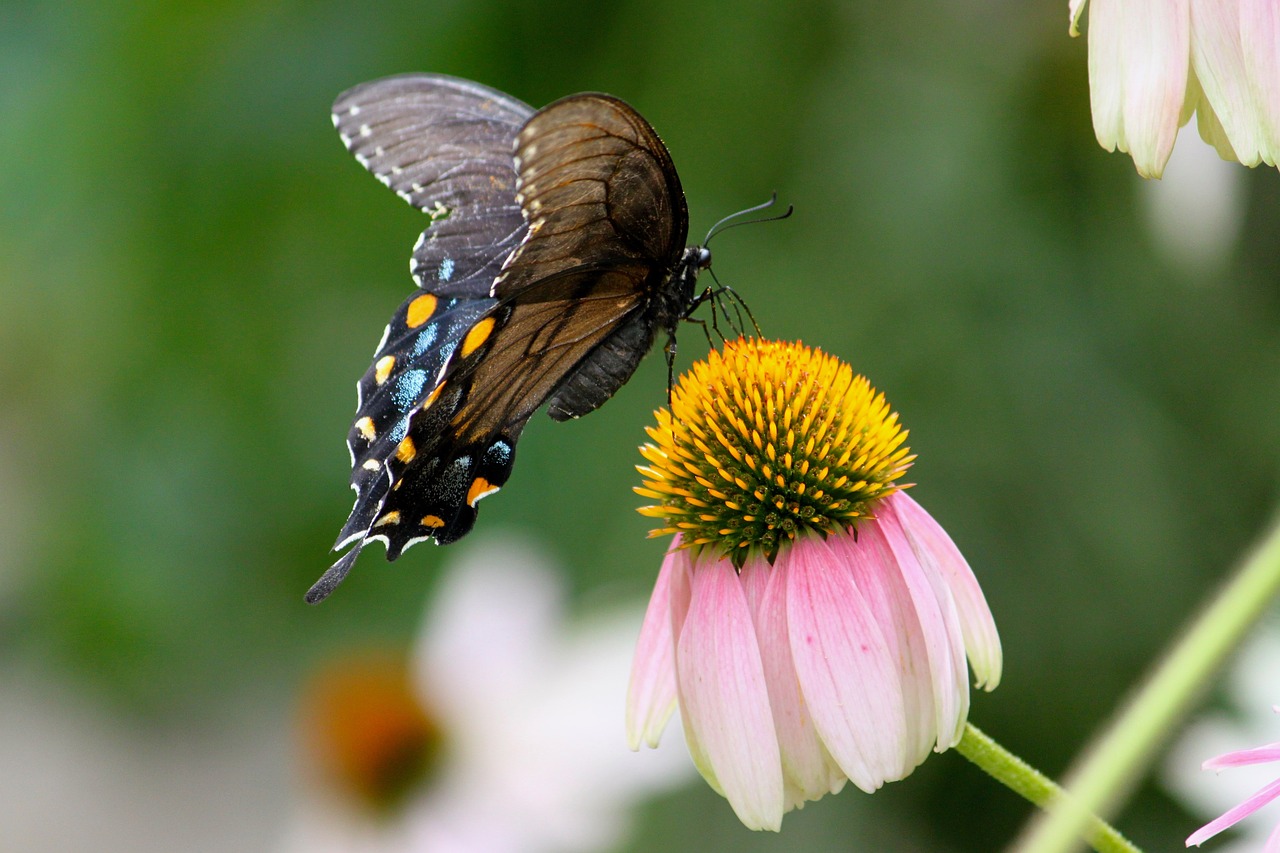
(555, 253)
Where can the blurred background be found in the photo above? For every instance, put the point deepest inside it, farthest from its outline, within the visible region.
(194, 273)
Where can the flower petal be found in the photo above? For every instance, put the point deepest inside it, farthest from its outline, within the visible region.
(1235, 815)
(873, 567)
(1217, 56)
(651, 694)
(808, 770)
(936, 551)
(1260, 42)
(1138, 61)
(723, 698)
(1244, 757)
(940, 627)
(842, 659)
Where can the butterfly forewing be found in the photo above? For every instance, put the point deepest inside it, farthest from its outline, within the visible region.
(598, 189)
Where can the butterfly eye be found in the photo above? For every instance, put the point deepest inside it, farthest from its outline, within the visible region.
(704, 258)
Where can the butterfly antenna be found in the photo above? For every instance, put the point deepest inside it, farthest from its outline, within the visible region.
(773, 199)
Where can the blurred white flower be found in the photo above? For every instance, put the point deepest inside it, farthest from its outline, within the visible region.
(521, 750)
(1252, 690)
(1196, 211)
(1152, 63)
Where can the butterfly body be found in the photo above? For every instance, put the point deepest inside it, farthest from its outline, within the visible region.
(555, 255)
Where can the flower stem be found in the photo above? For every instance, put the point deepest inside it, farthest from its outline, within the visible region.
(1121, 752)
(1033, 786)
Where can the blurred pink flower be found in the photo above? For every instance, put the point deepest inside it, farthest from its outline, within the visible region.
(1243, 758)
(832, 645)
(1152, 63)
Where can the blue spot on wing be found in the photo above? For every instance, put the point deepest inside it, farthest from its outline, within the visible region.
(408, 389)
(425, 339)
(446, 269)
(499, 453)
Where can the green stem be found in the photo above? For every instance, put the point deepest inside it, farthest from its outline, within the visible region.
(1032, 785)
(1121, 753)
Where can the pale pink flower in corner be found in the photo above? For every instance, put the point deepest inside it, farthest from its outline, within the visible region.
(1152, 63)
(1270, 753)
(844, 658)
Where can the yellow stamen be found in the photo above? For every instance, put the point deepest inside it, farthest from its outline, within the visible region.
(767, 440)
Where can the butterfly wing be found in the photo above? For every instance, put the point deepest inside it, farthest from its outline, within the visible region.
(444, 145)
(606, 221)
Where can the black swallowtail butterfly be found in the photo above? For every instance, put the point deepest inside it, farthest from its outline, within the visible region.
(556, 251)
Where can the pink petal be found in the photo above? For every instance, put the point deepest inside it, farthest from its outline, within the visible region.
(1208, 124)
(651, 694)
(1217, 56)
(1245, 757)
(1260, 42)
(947, 676)
(1235, 815)
(843, 661)
(724, 701)
(873, 567)
(939, 555)
(1139, 53)
(808, 770)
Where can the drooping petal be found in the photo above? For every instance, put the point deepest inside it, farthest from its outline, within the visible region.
(1235, 815)
(935, 549)
(1139, 54)
(1217, 55)
(808, 770)
(872, 566)
(843, 662)
(651, 694)
(1245, 757)
(723, 698)
(1208, 124)
(940, 626)
(1260, 42)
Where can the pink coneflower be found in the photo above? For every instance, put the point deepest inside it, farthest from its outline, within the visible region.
(1245, 757)
(1152, 63)
(811, 620)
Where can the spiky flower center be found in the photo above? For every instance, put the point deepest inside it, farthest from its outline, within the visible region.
(767, 440)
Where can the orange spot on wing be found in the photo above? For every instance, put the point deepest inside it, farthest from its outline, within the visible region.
(367, 429)
(420, 310)
(405, 451)
(480, 487)
(479, 333)
(383, 369)
(432, 521)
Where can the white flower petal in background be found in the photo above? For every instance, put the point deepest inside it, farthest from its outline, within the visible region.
(1252, 688)
(1152, 63)
(527, 705)
(1197, 211)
